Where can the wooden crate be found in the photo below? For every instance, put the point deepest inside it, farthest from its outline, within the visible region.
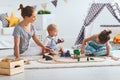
(11, 68)
(11, 71)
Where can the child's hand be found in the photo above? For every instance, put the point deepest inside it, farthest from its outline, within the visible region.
(108, 55)
(82, 51)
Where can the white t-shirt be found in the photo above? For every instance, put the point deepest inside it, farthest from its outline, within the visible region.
(48, 42)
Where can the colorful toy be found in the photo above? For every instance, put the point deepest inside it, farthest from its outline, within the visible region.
(87, 58)
(78, 58)
(62, 54)
(48, 57)
(77, 54)
(60, 40)
(117, 39)
(91, 58)
(65, 54)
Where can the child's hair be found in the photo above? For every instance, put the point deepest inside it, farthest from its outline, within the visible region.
(26, 11)
(104, 36)
(51, 27)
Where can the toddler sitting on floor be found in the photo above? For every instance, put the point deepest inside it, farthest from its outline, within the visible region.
(51, 42)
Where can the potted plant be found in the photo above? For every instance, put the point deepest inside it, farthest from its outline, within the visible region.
(43, 18)
(43, 12)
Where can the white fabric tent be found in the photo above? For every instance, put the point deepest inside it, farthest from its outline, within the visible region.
(93, 12)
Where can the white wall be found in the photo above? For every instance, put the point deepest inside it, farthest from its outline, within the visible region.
(68, 16)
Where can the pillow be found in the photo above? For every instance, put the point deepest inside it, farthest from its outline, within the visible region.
(13, 21)
(3, 19)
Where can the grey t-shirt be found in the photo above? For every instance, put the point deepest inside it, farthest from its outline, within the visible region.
(24, 36)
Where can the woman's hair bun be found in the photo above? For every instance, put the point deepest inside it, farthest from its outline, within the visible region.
(20, 7)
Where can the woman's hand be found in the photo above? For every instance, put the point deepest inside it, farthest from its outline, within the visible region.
(19, 58)
(47, 50)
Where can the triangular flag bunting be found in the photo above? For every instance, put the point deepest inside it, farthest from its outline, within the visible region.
(65, 1)
(44, 5)
(34, 6)
(54, 2)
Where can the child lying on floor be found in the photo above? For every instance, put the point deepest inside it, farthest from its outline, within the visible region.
(97, 45)
(51, 41)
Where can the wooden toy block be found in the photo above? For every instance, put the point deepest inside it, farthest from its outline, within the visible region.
(11, 66)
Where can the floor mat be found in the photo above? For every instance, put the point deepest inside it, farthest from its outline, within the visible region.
(39, 63)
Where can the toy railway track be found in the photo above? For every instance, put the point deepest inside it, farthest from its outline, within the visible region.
(65, 60)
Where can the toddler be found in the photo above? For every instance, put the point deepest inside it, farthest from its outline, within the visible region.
(51, 41)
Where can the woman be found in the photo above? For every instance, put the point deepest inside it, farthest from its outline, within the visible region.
(24, 31)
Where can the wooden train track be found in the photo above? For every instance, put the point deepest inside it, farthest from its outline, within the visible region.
(83, 59)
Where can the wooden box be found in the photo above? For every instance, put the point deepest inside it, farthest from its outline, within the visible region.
(11, 67)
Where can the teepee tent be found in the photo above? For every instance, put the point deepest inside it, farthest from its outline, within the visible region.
(96, 10)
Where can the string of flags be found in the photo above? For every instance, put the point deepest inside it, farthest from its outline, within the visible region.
(44, 5)
(54, 2)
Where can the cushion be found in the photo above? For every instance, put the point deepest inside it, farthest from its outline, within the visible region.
(13, 20)
(3, 20)
(7, 31)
